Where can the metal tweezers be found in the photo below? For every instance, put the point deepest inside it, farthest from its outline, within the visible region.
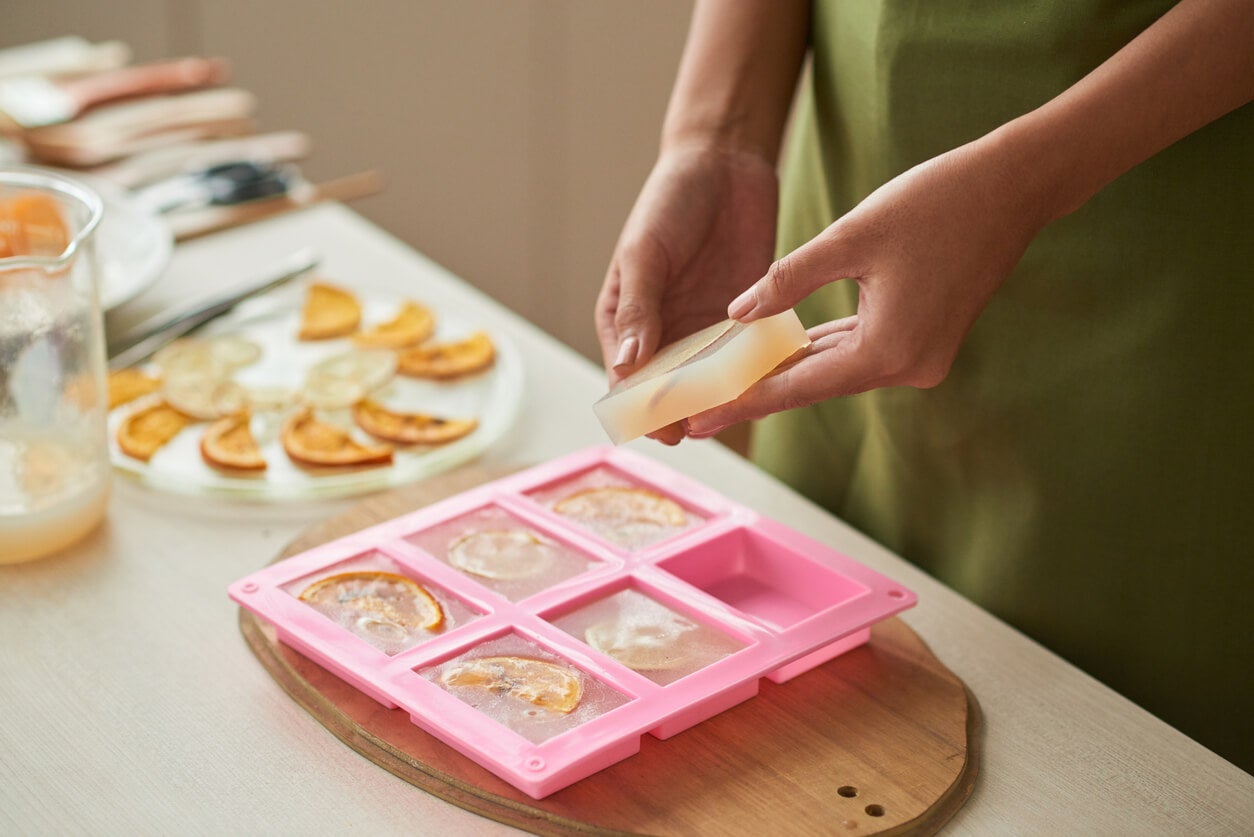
(141, 342)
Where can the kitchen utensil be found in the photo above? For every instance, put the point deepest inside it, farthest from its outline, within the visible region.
(32, 101)
(111, 131)
(884, 739)
(63, 55)
(778, 604)
(140, 342)
(54, 465)
(223, 184)
(194, 223)
(160, 163)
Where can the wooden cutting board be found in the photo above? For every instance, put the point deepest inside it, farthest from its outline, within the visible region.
(881, 740)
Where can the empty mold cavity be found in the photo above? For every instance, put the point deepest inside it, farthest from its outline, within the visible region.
(501, 552)
(616, 508)
(652, 638)
(525, 687)
(763, 578)
(375, 599)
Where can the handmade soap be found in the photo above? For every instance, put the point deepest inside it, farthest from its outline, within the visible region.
(703, 370)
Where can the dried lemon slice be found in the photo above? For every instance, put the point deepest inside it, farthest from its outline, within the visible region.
(448, 360)
(229, 443)
(329, 312)
(366, 369)
(642, 645)
(617, 505)
(204, 398)
(382, 601)
(144, 432)
(312, 442)
(504, 555)
(332, 393)
(125, 385)
(544, 684)
(409, 428)
(412, 324)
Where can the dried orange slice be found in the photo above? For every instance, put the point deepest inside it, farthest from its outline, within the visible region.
(506, 554)
(31, 224)
(229, 444)
(382, 601)
(312, 442)
(616, 505)
(145, 431)
(329, 312)
(409, 428)
(125, 385)
(653, 644)
(448, 360)
(542, 683)
(412, 324)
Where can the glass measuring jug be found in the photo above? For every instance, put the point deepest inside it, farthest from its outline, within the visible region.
(54, 456)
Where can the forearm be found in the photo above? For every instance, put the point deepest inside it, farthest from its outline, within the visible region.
(738, 74)
(1189, 68)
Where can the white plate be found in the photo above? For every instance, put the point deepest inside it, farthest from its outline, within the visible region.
(492, 397)
(133, 245)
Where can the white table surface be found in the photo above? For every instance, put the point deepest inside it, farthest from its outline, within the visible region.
(130, 703)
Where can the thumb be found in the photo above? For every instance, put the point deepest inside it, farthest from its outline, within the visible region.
(792, 278)
(637, 316)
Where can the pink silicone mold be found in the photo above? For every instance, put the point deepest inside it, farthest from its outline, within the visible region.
(582, 603)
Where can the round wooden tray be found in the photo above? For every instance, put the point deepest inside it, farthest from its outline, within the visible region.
(881, 740)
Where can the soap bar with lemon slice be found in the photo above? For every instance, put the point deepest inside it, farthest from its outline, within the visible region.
(708, 368)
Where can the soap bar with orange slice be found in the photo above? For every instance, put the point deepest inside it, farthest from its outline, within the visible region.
(379, 597)
(229, 444)
(447, 360)
(309, 441)
(413, 324)
(708, 368)
(329, 312)
(409, 428)
(614, 504)
(544, 684)
(145, 431)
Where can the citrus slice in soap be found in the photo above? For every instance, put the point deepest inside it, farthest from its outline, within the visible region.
(379, 600)
(547, 685)
(409, 428)
(643, 645)
(448, 360)
(145, 431)
(229, 444)
(329, 312)
(125, 385)
(505, 554)
(309, 441)
(618, 505)
(411, 325)
(31, 224)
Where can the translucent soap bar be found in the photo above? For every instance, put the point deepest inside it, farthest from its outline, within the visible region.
(708, 368)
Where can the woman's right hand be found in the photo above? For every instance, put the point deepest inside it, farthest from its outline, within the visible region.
(700, 233)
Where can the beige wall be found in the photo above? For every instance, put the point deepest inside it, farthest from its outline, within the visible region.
(513, 134)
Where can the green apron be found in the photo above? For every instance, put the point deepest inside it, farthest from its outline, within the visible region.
(1085, 471)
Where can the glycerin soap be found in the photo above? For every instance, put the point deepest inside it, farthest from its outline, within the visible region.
(701, 371)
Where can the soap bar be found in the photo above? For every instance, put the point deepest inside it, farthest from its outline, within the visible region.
(705, 369)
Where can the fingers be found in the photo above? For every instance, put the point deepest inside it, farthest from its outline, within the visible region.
(836, 364)
(794, 277)
(637, 318)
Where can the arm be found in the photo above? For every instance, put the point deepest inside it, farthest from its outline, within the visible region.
(970, 213)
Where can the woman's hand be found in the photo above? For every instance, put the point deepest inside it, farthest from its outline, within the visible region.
(927, 251)
(702, 230)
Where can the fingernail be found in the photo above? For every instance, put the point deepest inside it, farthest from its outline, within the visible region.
(742, 304)
(627, 351)
(698, 432)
